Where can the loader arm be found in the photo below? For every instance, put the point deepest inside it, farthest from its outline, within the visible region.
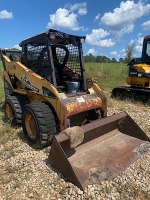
(28, 83)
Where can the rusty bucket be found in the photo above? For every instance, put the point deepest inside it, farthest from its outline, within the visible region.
(109, 146)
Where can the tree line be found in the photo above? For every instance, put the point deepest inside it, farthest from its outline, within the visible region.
(101, 59)
(129, 54)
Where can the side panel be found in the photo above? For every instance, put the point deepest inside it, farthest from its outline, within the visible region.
(136, 81)
(139, 75)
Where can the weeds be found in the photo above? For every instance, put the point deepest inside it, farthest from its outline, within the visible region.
(1, 87)
(106, 190)
(135, 192)
(63, 191)
(109, 75)
(7, 133)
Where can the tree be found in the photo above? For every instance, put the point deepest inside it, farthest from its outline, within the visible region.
(114, 60)
(129, 51)
(89, 58)
(121, 60)
(98, 59)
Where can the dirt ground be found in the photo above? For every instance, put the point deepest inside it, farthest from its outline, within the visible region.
(26, 174)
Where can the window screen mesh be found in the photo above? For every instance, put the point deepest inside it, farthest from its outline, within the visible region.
(39, 60)
(73, 61)
(34, 51)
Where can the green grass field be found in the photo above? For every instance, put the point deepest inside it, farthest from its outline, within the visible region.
(109, 75)
(1, 67)
(1, 89)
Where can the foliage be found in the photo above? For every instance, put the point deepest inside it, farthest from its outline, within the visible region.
(129, 51)
(1, 86)
(100, 59)
(109, 75)
(1, 66)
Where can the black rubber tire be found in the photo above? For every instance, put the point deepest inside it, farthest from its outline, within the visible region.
(43, 126)
(16, 104)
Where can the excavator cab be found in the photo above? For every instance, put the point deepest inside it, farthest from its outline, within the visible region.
(146, 50)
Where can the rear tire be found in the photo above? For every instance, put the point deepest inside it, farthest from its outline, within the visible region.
(39, 124)
(13, 109)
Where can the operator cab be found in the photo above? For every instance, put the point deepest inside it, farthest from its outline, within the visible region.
(146, 50)
(57, 57)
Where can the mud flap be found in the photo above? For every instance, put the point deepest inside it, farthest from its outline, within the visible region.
(108, 147)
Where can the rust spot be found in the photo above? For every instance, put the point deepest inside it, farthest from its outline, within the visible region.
(83, 103)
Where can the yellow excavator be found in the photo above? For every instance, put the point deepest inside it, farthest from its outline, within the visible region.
(48, 93)
(138, 77)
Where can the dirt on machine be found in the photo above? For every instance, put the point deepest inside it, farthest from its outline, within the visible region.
(48, 94)
(138, 78)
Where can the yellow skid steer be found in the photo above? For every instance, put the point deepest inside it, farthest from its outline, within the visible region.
(47, 92)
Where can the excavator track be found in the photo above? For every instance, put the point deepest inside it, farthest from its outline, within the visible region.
(133, 93)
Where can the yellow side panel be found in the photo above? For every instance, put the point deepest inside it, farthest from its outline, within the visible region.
(138, 81)
(143, 68)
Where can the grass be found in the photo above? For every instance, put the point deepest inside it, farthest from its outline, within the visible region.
(124, 191)
(1, 66)
(109, 75)
(1, 89)
(133, 191)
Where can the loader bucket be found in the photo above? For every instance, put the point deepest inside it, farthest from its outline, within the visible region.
(109, 146)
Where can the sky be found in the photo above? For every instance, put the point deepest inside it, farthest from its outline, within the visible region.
(109, 25)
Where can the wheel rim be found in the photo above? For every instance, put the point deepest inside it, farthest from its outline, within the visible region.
(9, 112)
(30, 126)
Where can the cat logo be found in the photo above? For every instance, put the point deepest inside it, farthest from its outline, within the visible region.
(26, 81)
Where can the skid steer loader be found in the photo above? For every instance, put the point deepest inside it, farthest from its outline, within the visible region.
(138, 77)
(48, 93)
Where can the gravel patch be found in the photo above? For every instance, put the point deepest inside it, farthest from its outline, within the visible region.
(26, 174)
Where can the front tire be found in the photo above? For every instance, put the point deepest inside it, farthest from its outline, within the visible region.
(13, 109)
(39, 124)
